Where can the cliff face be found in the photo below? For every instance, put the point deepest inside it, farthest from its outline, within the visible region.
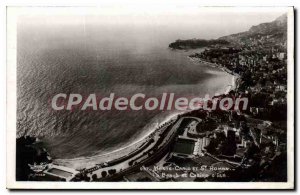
(276, 30)
(280, 24)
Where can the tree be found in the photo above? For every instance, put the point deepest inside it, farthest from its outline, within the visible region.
(103, 173)
(86, 178)
(112, 171)
(130, 163)
(94, 177)
(144, 179)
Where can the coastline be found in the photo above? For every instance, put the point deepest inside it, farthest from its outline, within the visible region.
(235, 76)
(90, 161)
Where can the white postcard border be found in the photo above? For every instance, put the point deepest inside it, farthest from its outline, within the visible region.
(14, 12)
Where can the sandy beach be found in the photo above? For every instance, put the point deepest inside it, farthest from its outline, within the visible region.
(86, 162)
(235, 76)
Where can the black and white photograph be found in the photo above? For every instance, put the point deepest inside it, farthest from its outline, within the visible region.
(150, 98)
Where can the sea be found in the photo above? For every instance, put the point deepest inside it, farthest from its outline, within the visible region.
(101, 57)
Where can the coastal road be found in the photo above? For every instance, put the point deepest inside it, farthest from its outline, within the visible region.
(161, 144)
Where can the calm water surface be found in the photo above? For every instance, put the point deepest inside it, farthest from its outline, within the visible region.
(95, 58)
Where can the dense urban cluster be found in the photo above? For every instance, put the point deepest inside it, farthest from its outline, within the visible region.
(263, 77)
(255, 138)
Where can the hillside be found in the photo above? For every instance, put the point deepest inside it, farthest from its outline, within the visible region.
(271, 31)
(265, 33)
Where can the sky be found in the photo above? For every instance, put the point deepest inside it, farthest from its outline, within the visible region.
(218, 21)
